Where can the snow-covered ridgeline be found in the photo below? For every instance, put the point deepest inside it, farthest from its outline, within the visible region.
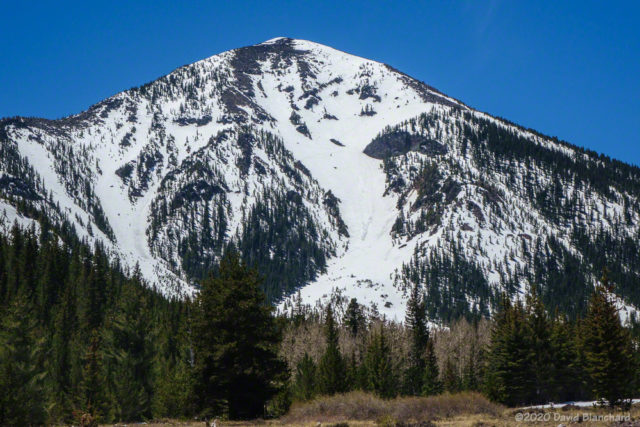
(152, 165)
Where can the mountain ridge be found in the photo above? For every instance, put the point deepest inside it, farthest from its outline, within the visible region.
(274, 138)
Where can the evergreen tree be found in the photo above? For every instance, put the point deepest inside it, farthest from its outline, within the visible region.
(416, 323)
(95, 291)
(304, 387)
(509, 377)
(21, 372)
(431, 384)
(378, 366)
(173, 385)
(354, 319)
(470, 375)
(107, 335)
(450, 378)
(129, 356)
(172, 392)
(565, 382)
(608, 349)
(540, 347)
(332, 368)
(235, 341)
(298, 312)
(355, 373)
(93, 380)
(60, 362)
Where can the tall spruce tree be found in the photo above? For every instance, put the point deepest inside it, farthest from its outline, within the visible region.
(431, 383)
(304, 386)
(173, 385)
(355, 373)
(540, 347)
(418, 332)
(332, 372)
(378, 366)
(60, 362)
(451, 381)
(470, 374)
(354, 319)
(93, 400)
(129, 356)
(509, 377)
(173, 388)
(608, 349)
(235, 341)
(21, 371)
(566, 379)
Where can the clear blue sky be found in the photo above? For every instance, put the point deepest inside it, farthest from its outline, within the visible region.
(565, 68)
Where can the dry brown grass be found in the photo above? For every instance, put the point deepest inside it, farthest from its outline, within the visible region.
(359, 406)
(359, 409)
(161, 423)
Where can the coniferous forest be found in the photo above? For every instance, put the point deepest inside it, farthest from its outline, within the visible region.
(191, 249)
(83, 340)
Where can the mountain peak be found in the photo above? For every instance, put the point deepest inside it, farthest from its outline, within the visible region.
(275, 40)
(352, 177)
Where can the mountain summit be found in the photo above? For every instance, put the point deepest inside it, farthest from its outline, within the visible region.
(335, 176)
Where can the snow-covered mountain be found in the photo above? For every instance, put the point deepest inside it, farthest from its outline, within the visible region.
(334, 175)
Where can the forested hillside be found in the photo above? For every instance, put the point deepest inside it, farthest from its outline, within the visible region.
(80, 334)
(330, 173)
(84, 341)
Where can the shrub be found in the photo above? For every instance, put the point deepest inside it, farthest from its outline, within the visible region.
(360, 406)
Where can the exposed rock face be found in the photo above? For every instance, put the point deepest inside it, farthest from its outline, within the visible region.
(400, 142)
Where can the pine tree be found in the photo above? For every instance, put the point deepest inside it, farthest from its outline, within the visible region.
(304, 387)
(3, 272)
(355, 373)
(93, 380)
(172, 392)
(95, 290)
(470, 375)
(129, 356)
(21, 372)
(417, 328)
(565, 381)
(431, 384)
(509, 377)
(540, 347)
(173, 376)
(15, 263)
(332, 368)
(608, 349)
(235, 341)
(450, 378)
(298, 312)
(354, 319)
(60, 361)
(378, 366)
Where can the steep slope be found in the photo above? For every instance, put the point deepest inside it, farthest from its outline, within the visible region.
(332, 174)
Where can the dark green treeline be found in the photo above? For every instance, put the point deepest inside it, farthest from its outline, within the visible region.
(83, 339)
(80, 335)
(530, 358)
